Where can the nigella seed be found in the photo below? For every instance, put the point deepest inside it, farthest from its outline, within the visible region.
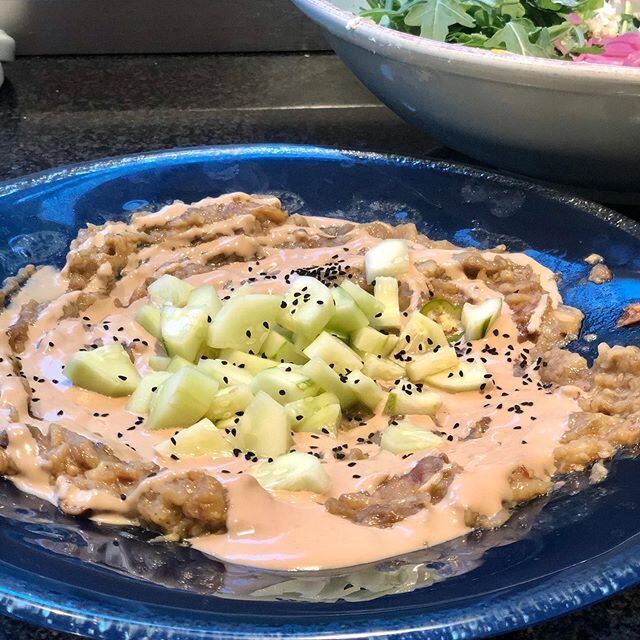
(123, 378)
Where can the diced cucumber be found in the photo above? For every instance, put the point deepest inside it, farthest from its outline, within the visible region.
(229, 401)
(294, 471)
(181, 400)
(325, 421)
(385, 291)
(288, 353)
(406, 437)
(246, 361)
(381, 368)
(365, 301)
(200, 439)
(400, 402)
(107, 370)
(420, 335)
(245, 290)
(170, 290)
(324, 376)
(140, 400)
(178, 362)
(347, 316)
(159, 363)
(308, 307)
(343, 337)
(465, 376)
(224, 372)
(387, 258)
(335, 352)
(311, 414)
(433, 362)
(228, 424)
(366, 390)
(273, 343)
(148, 317)
(477, 318)
(244, 322)
(264, 429)
(368, 340)
(284, 386)
(184, 331)
(207, 298)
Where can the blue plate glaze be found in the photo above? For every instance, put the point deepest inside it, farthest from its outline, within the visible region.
(555, 555)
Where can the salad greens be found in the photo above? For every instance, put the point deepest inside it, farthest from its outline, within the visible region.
(542, 28)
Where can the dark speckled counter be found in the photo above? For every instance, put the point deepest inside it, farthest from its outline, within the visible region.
(62, 110)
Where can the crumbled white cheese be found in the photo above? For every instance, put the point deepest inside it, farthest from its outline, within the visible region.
(605, 22)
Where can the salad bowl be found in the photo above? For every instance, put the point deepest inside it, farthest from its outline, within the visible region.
(555, 120)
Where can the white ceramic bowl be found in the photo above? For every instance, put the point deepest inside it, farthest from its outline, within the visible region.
(554, 120)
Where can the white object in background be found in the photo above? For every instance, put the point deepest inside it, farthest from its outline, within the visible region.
(7, 51)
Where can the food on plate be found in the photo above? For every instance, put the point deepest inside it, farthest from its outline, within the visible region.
(596, 31)
(298, 392)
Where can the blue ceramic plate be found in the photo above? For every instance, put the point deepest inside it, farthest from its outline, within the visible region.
(555, 555)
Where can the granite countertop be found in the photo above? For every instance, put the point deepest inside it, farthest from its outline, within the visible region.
(60, 110)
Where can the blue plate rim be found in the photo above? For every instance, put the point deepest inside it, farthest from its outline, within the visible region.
(575, 588)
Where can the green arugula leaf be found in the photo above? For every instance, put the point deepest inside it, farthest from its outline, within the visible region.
(512, 8)
(516, 36)
(435, 17)
(469, 39)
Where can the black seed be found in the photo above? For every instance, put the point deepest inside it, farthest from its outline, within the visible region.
(122, 377)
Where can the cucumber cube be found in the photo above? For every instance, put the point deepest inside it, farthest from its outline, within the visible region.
(465, 376)
(184, 331)
(433, 362)
(140, 400)
(477, 319)
(107, 370)
(368, 340)
(347, 316)
(294, 471)
(283, 386)
(399, 402)
(334, 352)
(170, 290)
(365, 301)
(159, 363)
(229, 401)
(382, 369)
(288, 353)
(365, 389)
(181, 400)
(308, 307)
(387, 258)
(316, 415)
(149, 318)
(207, 298)
(421, 335)
(224, 373)
(405, 437)
(178, 362)
(273, 343)
(244, 322)
(246, 361)
(325, 377)
(385, 291)
(264, 429)
(200, 439)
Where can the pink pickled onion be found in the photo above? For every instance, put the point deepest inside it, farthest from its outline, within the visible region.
(623, 51)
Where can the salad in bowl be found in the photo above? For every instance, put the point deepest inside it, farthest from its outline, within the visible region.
(598, 31)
